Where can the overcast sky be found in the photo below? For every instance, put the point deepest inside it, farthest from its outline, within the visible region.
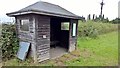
(78, 7)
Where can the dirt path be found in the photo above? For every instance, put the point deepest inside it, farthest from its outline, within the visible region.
(65, 58)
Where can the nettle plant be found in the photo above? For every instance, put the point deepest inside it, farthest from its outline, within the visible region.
(9, 41)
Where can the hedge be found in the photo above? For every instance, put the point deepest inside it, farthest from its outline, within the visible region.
(93, 29)
(9, 41)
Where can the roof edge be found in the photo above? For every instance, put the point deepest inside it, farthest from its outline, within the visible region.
(12, 14)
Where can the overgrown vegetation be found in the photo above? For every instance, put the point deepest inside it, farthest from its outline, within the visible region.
(9, 41)
(93, 29)
(116, 21)
(102, 51)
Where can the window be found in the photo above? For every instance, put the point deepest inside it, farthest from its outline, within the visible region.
(65, 26)
(74, 29)
(24, 25)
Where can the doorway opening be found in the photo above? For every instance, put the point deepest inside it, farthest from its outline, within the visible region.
(59, 36)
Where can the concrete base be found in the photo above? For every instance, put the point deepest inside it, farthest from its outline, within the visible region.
(57, 52)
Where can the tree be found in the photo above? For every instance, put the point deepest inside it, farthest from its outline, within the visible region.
(83, 18)
(105, 20)
(93, 16)
(103, 16)
(97, 19)
(89, 17)
(116, 21)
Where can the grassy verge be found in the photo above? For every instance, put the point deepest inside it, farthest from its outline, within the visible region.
(102, 51)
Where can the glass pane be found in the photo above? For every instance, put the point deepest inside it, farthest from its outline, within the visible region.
(74, 29)
(24, 25)
(65, 26)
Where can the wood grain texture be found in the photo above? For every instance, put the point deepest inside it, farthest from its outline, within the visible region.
(27, 36)
(40, 26)
(72, 39)
(43, 44)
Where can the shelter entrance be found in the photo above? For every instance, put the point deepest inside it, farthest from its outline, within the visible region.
(59, 36)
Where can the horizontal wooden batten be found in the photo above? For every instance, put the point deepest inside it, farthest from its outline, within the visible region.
(42, 47)
(43, 50)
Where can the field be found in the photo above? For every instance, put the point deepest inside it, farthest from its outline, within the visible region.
(101, 51)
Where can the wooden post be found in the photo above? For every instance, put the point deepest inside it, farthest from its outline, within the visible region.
(72, 39)
(34, 42)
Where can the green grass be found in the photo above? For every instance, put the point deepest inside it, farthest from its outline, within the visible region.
(102, 51)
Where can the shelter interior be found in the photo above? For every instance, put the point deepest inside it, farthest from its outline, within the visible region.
(59, 35)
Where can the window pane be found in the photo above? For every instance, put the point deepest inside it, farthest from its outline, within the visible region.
(74, 29)
(24, 24)
(65, 26)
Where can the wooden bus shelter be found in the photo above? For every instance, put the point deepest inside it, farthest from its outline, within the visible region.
(47, 27)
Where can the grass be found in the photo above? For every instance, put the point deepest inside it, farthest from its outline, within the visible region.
(102, 51)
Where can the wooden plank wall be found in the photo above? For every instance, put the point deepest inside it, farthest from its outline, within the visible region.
(27, 36)
(39, 35)
(43, 44)
(72, 39)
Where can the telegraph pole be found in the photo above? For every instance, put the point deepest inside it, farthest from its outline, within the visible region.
(102, 3)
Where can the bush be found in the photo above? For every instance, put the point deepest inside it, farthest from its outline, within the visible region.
(93, 29)
(9, 41)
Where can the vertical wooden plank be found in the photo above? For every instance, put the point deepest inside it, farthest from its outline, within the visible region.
(34, 41)
(43, 37)
(72, 39)
(30, 36)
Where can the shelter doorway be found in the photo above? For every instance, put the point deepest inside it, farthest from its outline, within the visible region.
(59, 36)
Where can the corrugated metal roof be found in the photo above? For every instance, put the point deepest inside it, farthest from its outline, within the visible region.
(46, 8)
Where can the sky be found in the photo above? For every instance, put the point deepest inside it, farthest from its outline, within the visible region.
(78, 7)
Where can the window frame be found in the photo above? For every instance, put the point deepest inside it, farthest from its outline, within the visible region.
(68, 26)
(20, 22)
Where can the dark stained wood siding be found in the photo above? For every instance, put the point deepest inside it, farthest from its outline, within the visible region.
(39, 26)
(27, 36)
(72, 39)
(43, 44)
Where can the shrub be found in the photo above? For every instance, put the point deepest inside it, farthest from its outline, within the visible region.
(9, 41)
(93, 29)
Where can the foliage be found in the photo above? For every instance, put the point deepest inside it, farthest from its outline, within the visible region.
(89, 17)
(65, 26)
(93, 29)
(115, 21)
(9, 41)
(96, 18)
(102, 51)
